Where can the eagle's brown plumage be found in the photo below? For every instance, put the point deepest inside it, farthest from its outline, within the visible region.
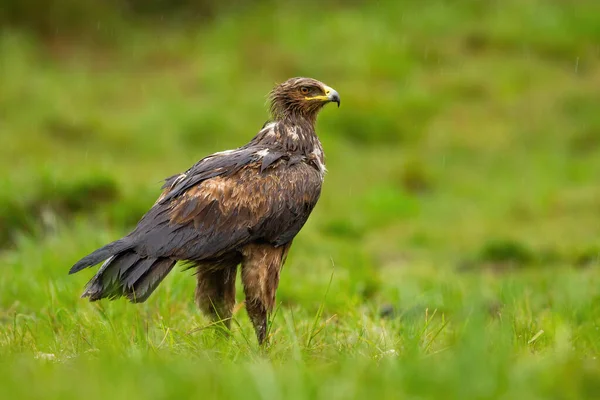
(242, 206)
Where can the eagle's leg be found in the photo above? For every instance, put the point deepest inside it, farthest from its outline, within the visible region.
(215, 292)
(261, 265)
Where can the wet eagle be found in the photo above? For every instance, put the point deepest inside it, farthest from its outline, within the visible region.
(235, 207)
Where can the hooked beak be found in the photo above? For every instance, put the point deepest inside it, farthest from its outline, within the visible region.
(332, 95)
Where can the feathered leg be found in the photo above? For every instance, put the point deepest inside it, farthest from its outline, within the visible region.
(261, 265)
(215, 293)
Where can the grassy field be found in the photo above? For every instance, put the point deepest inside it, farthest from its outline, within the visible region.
(454, 252)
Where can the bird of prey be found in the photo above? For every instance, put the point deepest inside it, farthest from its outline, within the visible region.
(241, 206)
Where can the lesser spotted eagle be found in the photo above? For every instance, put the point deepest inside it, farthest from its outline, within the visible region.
(236, 207)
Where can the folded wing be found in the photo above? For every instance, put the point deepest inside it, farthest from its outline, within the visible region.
(223, 202)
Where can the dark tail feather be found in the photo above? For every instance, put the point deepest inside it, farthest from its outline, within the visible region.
(143, 287)
(128, 274)
(101, 254)
(107, 283)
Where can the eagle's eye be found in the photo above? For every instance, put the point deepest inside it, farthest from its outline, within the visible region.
(304, 90)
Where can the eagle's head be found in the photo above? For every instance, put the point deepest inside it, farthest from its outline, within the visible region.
(301, 98)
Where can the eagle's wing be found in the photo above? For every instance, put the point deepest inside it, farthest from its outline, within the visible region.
(223, 202)
(226, 200)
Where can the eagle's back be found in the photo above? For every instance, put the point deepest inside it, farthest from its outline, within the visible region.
(220, 215)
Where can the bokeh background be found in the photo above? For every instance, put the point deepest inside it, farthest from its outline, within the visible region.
(458, 232)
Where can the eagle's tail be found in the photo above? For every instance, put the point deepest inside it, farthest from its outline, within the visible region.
(124, 273)
(101, 254)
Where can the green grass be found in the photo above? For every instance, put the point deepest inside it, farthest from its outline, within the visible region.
(453, 254)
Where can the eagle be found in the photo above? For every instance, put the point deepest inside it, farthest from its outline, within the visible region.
(235, 207)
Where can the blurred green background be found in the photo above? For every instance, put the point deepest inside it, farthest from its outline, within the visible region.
(454, 251)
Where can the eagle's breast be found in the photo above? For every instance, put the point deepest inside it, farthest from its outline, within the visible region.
(292, 140)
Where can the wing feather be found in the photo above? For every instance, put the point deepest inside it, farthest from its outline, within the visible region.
(202, 218)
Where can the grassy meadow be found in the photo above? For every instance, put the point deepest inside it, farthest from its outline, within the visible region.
(454, 252)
